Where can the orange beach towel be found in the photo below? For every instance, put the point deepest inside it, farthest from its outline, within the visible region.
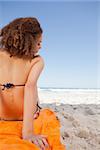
(46, 124)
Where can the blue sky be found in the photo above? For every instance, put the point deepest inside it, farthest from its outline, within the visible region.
(99, 45)
(69, 48)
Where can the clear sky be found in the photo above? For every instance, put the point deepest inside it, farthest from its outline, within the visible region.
(70, 36)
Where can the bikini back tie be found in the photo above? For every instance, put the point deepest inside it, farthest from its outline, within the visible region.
(9, 85)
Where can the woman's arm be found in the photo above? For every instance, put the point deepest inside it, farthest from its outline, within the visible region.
(30, 101)
(30, 98)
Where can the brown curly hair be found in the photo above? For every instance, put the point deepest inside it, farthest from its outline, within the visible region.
(19, 37)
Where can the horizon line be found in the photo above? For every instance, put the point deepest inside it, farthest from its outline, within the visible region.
(67, 87)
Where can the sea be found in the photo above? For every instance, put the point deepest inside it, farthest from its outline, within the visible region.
(69, 95)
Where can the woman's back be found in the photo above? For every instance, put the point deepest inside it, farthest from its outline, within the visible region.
(16, 71)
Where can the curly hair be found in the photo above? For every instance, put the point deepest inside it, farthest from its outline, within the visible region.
(19, 37)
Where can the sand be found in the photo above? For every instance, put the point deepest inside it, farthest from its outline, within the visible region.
(80, 125)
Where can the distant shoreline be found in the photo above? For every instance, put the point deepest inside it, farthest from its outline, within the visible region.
(69, 96)
(54, 89)
(69, 88)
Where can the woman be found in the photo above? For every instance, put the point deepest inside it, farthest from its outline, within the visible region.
(20, 68)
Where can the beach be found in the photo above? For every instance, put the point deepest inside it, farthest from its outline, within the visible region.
(79, 114)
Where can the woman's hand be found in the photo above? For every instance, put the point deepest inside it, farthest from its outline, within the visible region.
(36, 114)
(39, 140)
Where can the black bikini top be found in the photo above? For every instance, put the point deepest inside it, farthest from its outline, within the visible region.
(10, 85)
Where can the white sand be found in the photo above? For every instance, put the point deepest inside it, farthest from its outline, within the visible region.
(80, 123)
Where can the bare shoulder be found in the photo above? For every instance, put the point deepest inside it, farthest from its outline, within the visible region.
(39, 59)
(35, 71)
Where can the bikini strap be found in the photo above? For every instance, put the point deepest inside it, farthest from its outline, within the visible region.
(9, 85)
(38, 108)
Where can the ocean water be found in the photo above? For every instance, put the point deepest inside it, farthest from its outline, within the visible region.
(69, 96)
